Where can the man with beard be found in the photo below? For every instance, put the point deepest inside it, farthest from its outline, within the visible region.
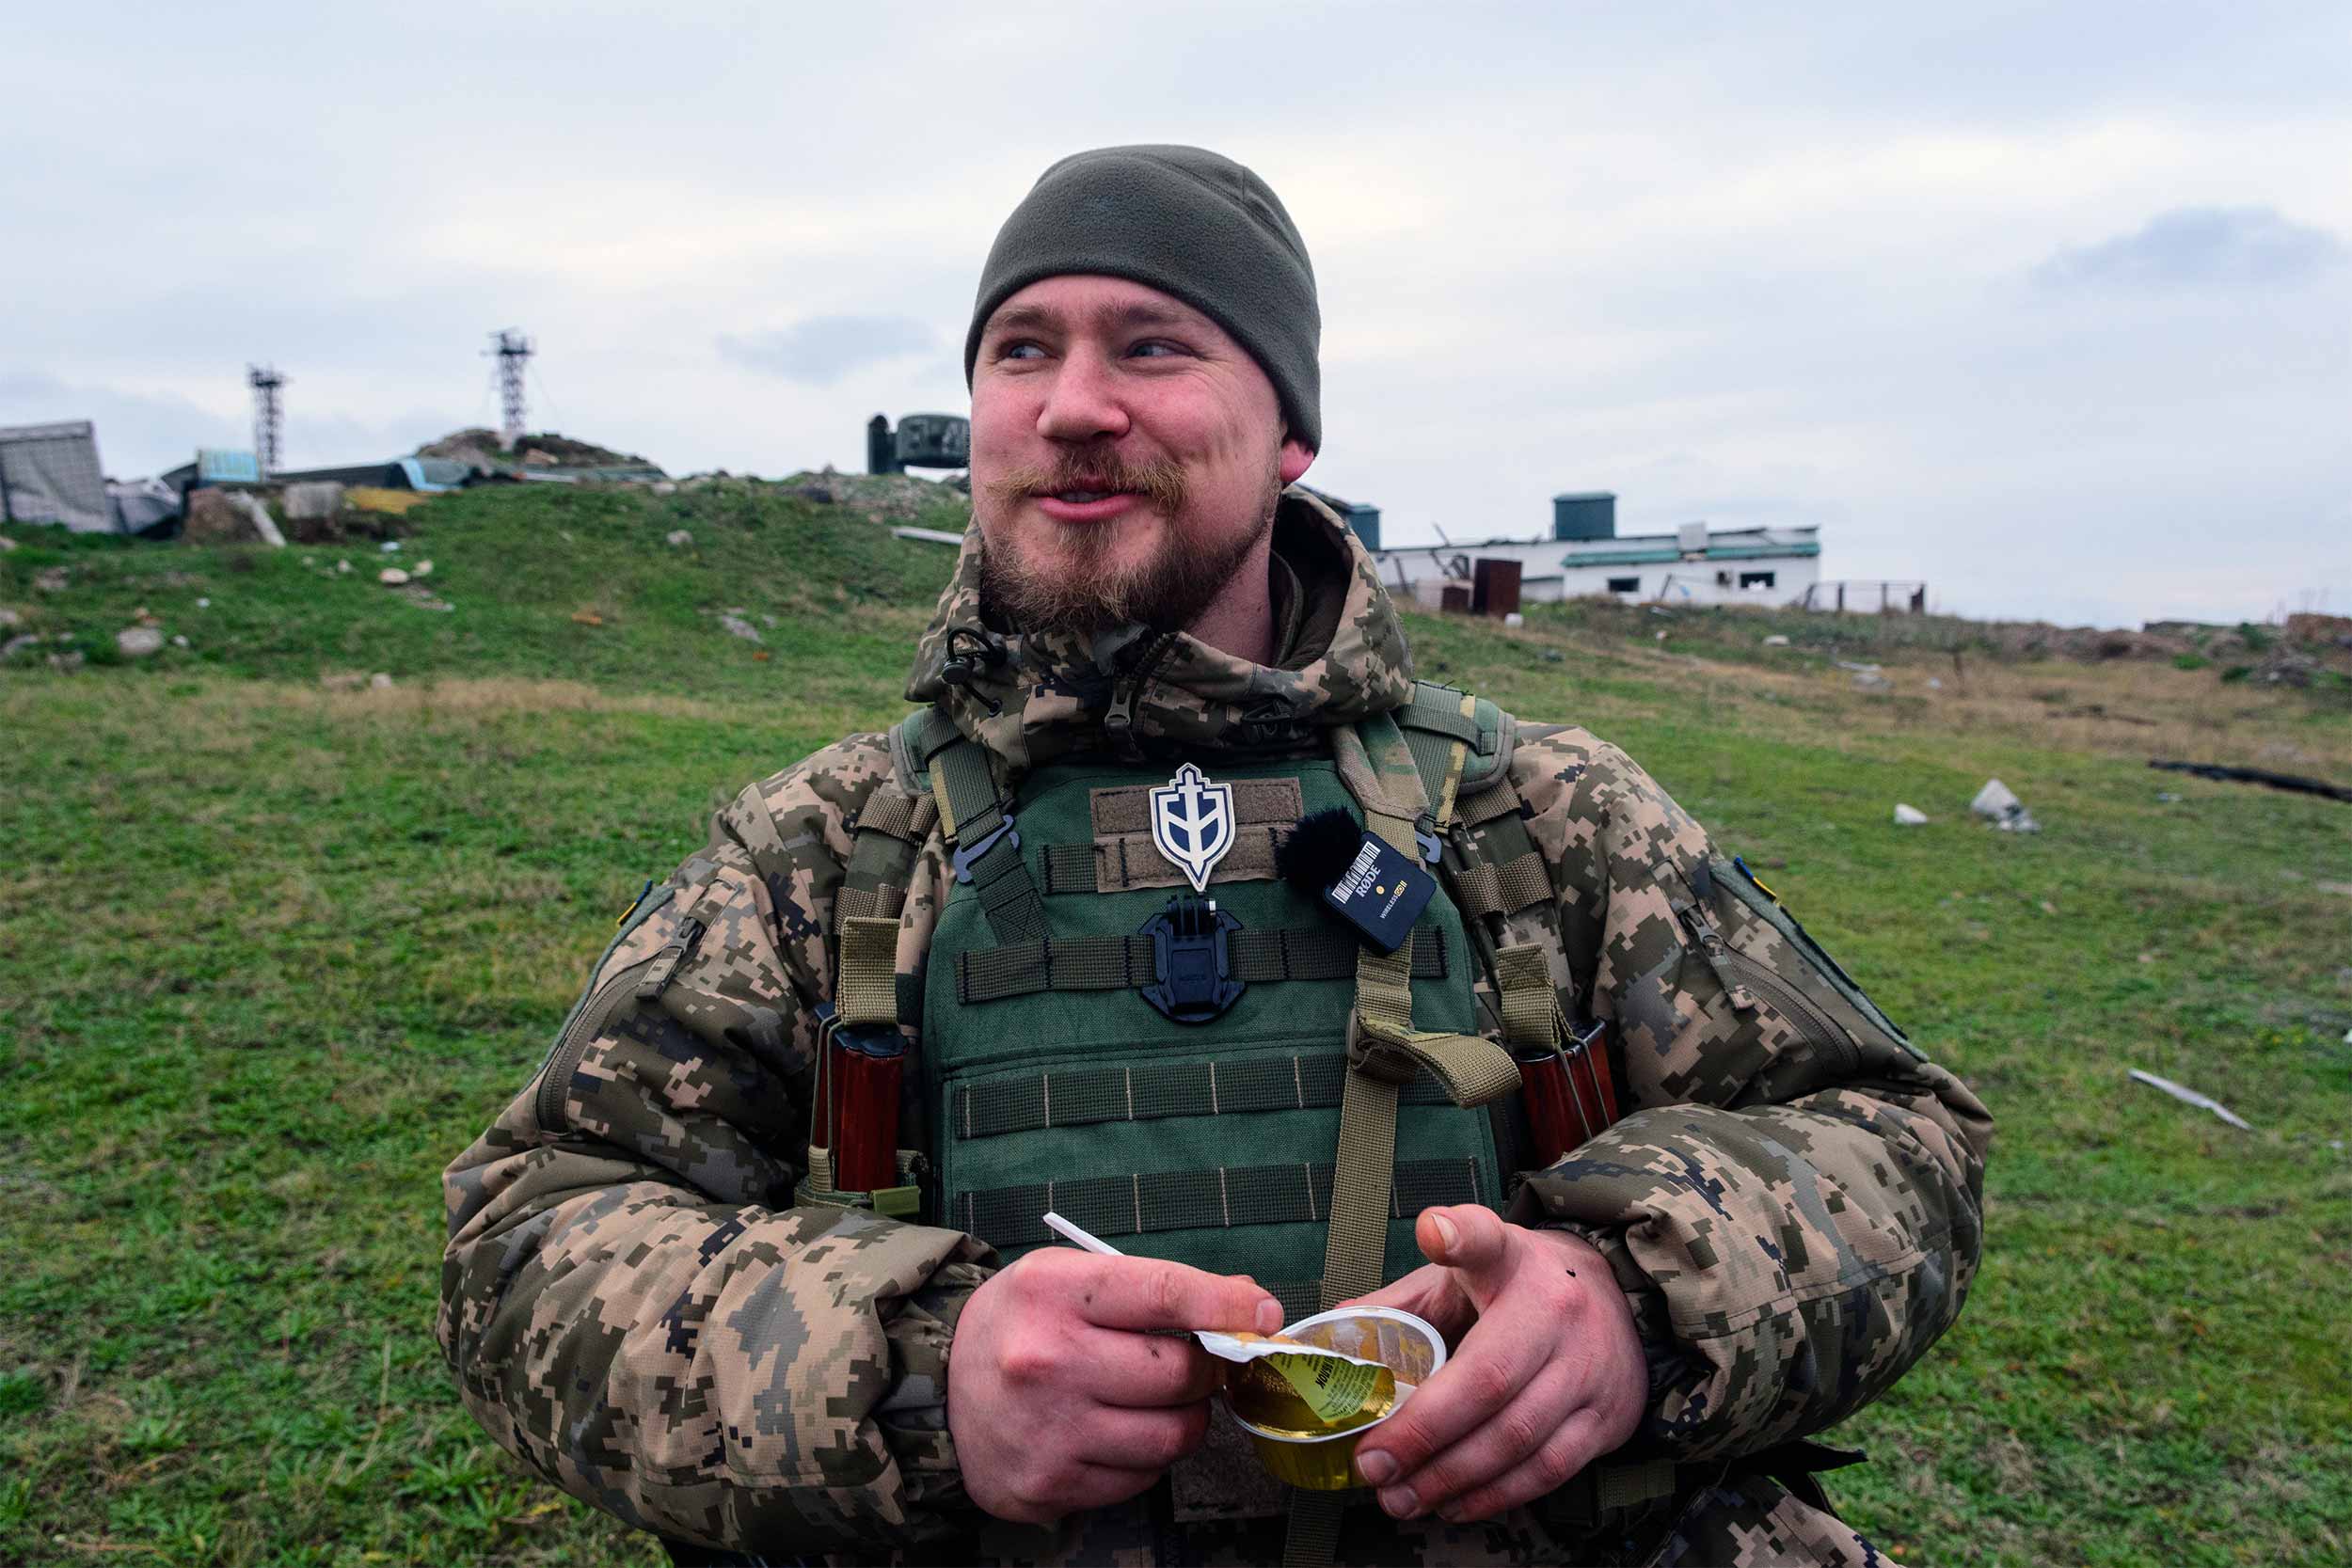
(1156, 658)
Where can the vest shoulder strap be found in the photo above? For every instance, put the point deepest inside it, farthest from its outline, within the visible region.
(1461, 745)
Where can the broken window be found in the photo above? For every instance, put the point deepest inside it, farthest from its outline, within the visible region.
(1625, 585)
(1755, 580)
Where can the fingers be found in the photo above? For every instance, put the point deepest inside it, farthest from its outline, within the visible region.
(1150, 1293)
(1546, 1429)
(1142, 1371)
(1469, 1237)
(1488, 1375)
(1080, 1488)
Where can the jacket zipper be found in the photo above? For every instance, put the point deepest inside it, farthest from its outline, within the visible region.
(1752, 976)
(642, 981)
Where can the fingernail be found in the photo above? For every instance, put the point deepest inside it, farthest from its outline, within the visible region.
(1447, 1236)
(1269, 1315)
(1378, 1469)
(1400, 1502)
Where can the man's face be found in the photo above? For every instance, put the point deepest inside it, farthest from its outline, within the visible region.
(1126, 455)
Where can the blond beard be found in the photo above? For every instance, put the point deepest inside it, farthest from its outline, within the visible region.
(1080, 591)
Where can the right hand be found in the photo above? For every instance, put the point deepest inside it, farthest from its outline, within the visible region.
(1056, 1398)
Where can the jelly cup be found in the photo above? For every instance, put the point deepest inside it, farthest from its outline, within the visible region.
(1325, 1463)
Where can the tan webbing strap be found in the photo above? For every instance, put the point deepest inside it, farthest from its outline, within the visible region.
(867, 991)
(1531, 1009)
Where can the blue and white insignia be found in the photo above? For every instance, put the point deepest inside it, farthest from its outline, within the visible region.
(1192, 823)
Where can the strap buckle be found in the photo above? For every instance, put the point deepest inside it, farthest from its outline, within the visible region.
(966, 857)
(1193, 959)
(1425, 835)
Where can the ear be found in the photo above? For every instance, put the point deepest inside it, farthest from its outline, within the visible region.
(1295, 459)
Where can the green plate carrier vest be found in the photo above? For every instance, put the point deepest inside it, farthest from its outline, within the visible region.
(1055, 1071)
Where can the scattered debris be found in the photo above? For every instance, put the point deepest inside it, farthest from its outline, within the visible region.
(2191, 1096)
(390, 547)
(1858, 669)
(1776, 641)
(2342, 890)
(1870, 680)
(380, 681)
(16, 645)
(1553, 655)
(665, 487)
(1514, 620)
(217, 517)
(1935, 683)
(139, 641)
(736, 626)
(587, 617)
(422, 569)
(10, 618)
(2255, 775)
(2166, 797)
(50, 579)
(180, 640)
(771, 621)
(7, 544)
(342, 682)
(1997, 804)
(395, 503)
(679, 538)
(423, 599)
(1909, 816)
(927, 535)
(65, 663)
(203, 604)
(391, 577)
(312, 501)
(343, 566)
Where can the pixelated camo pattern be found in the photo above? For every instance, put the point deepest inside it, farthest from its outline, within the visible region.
(633, 1306)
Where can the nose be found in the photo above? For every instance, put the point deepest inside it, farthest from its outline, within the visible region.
(1083, 404)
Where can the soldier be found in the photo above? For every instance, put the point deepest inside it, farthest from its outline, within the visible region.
(1055, 886)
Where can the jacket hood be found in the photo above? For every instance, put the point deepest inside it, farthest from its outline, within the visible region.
(1031, 697)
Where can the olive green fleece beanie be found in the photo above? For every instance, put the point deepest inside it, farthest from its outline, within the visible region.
(1188, 222)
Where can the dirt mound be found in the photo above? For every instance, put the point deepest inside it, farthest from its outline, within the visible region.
(897, 496)
(481, 448)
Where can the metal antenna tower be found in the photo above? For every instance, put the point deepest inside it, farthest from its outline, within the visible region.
(268, 415)
(513, 354)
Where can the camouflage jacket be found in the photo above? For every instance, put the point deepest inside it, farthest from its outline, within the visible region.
(634, 1308)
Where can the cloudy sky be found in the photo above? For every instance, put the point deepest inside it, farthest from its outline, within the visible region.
(2048, 305)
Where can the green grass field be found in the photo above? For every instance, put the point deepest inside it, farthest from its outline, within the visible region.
(271, 952)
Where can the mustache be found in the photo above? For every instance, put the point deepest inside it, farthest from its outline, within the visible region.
(1157, 481)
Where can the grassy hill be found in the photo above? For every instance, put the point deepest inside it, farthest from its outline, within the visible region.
(272, 951)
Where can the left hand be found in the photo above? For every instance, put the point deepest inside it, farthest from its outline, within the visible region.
(1547, 1374)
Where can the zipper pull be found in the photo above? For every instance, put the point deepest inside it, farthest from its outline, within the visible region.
(665, 963)
(1719, 955)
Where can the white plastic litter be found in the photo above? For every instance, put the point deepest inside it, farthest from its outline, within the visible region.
(2000, 806)
(1909, 816)
(2191, 1096)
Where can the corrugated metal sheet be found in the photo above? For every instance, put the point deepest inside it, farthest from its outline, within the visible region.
(49, 473)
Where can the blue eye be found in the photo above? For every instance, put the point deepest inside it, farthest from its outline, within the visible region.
(1022, 350)
(1156, 348)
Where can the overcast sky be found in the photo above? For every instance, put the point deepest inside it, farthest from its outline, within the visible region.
(2049, 305)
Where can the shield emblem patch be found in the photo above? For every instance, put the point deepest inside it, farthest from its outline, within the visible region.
(1192, 824)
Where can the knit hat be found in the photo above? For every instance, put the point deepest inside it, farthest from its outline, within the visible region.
(1188, 222)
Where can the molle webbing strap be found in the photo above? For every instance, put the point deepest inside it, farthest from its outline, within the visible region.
(1485, 888)
(867, 988)
(1498, 799)
(891, 828)
(1085, 1096)
(1531, 1009)
(1143, 1202)
(1117, 963)
(972, 815)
